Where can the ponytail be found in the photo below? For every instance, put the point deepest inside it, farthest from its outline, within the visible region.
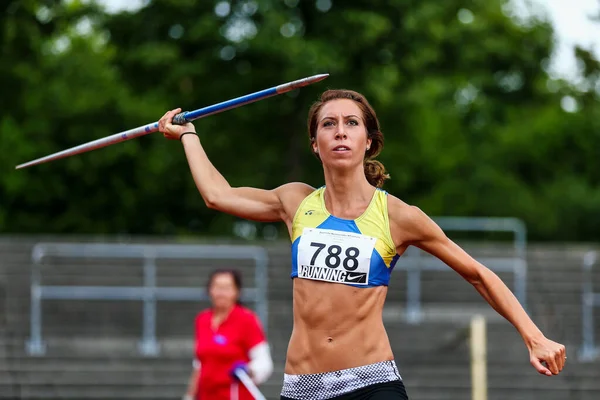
(375, 173)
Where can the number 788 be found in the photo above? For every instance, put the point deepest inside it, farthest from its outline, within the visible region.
(349, 259)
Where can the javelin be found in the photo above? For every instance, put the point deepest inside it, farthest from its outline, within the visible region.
(179, 119)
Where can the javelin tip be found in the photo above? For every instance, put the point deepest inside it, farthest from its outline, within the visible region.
(314, 79)
(319, 77)
(286, 87)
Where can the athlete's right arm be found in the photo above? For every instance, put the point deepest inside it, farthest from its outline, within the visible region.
(244, 202)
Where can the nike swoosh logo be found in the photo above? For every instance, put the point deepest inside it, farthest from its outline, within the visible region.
(354, 278)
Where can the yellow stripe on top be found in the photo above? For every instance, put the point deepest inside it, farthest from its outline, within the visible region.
(310, 213)
(375, 222)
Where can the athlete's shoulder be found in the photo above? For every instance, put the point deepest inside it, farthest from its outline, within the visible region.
(291, 195)
(397, 206)
(408, 219)
(402, 212)
(295, 189)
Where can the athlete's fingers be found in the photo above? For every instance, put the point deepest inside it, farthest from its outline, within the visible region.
(540, 367)
(559, 360)
(561, 357)
(172, 114)
(551, 363)
(162, 122)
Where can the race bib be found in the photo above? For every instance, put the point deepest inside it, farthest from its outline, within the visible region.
(335, 256)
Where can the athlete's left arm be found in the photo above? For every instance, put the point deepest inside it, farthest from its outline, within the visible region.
(411, 226)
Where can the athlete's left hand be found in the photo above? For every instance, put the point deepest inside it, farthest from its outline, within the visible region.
(171, 131)
(552, 354)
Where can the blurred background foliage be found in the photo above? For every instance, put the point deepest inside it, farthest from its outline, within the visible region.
(474, 123)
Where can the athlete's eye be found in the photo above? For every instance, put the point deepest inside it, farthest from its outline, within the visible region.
(353, 122)
(328, 123)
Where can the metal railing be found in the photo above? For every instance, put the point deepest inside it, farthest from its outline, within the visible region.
(148, 293)
(589, 300)
(413, 262)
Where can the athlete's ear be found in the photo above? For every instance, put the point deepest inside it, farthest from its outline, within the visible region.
(313, 144)
(369, 141)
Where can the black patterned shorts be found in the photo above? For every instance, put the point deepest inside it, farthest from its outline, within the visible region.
(328, 385)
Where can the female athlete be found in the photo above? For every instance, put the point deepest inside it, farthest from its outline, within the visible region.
(228, 336)
(346, 238)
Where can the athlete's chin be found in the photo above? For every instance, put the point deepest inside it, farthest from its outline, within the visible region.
(342, 162)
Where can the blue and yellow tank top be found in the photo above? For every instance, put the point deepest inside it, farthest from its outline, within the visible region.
(357, 252)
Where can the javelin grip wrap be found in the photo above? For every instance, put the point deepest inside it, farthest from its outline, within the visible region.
(180, 119)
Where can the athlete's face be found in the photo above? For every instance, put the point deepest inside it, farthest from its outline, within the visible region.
(223, 292)
(341, 133)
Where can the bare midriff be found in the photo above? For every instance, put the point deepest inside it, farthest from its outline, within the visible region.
(336, 327)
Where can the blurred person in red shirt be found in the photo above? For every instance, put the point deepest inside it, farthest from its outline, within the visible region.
(228, 336)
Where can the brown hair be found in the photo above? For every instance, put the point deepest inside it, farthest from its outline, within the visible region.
(374, 170)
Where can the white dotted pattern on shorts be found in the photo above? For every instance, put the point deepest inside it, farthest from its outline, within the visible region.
(331, 384)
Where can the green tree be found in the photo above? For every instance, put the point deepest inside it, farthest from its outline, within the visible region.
(473, 122)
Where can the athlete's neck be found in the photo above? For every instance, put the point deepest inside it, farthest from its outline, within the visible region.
(347, 192)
